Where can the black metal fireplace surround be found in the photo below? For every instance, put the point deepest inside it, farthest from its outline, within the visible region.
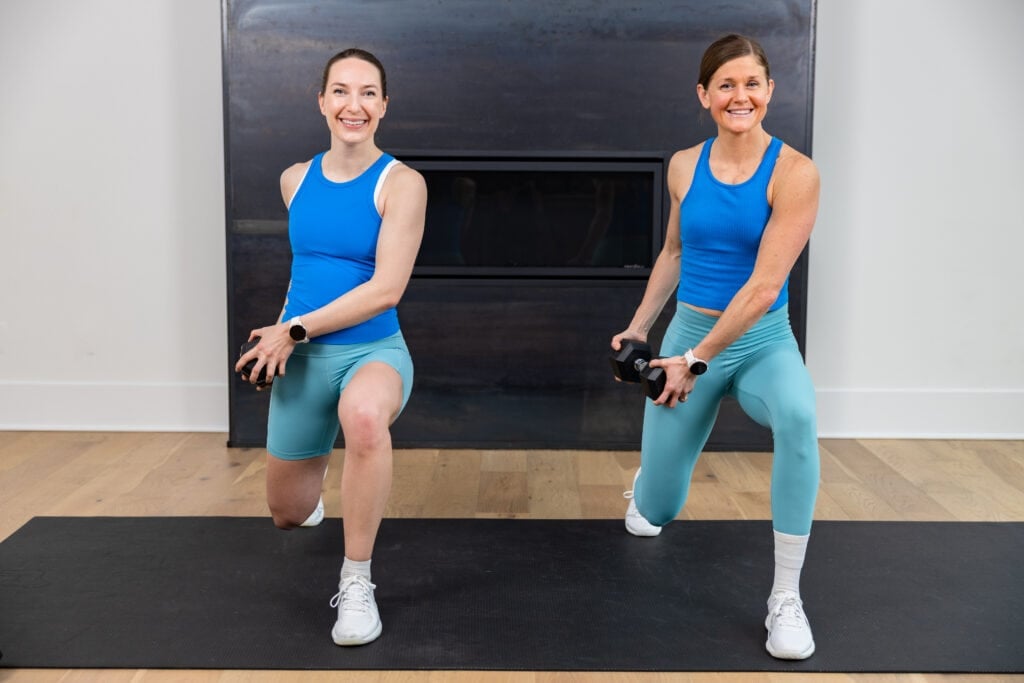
(543, 130)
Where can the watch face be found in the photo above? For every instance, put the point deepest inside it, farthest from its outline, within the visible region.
(698, 367)
(298, 332)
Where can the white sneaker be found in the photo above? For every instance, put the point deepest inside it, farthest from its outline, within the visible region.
(636, 524)
(316, 516)
(789, 634)
(358, 620)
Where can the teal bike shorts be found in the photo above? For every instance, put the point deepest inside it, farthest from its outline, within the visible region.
(303, 420)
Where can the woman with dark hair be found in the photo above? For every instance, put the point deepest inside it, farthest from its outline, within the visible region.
(743, 207)
(355, 222)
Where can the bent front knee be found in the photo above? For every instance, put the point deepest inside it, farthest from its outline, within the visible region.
(797, 425)
(366, 431)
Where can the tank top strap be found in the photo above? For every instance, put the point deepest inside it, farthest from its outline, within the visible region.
(316, 167)
(767, 166)
(378, 166)
(704, 160)
(389, 163)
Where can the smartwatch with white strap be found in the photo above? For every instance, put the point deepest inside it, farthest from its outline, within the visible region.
(298, 331)
(697, 366)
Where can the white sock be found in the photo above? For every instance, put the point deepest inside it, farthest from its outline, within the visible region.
(354, 568)
(789, 560)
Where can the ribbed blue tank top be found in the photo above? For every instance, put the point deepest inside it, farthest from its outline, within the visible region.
(333, 230)
(721, 227)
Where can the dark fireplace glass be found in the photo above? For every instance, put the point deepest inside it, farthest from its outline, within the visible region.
(540, 218)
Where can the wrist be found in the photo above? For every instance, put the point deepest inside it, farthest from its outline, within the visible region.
(297, 331)
(696, 365)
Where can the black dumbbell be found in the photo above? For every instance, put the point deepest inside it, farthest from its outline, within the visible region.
(632, 364)
(261, 379)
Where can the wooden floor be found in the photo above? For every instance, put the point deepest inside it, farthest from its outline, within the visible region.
(74, 473)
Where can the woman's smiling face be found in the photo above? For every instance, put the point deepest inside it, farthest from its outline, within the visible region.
(737, 94)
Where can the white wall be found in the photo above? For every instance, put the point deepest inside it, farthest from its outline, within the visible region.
(915, 314)
(112, 215)
(112, 212)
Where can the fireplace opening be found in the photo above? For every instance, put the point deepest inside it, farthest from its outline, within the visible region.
(546, 217)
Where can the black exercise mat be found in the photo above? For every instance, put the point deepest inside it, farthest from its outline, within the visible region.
(236, 593)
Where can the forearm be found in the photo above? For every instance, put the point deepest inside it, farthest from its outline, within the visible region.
(749, 304)
(355, 306)
(660, 286)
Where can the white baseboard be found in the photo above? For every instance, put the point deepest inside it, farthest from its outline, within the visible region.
(920, 414)
(114, 406)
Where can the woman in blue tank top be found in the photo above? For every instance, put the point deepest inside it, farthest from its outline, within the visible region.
(743, 207)
(336, 355)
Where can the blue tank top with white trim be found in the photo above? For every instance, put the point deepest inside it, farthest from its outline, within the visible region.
(721, 227)
(333, 229)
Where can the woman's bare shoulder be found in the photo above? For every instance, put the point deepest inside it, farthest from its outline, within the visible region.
(680, 170)
(290, 179)
(688, 156)
(295, 172)
(793, 162)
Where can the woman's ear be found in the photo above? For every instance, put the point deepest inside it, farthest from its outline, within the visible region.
(702, 95)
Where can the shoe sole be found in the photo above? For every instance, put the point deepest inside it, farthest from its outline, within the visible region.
(643, 533)
(789, 655)
(349, 642)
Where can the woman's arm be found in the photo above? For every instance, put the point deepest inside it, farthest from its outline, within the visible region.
(794, 209)
(290, 179)
(404, 205)
(403, 209)
(794, 200)
(664, 276)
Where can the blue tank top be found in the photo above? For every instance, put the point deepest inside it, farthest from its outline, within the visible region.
(333, 230)
(721, 226)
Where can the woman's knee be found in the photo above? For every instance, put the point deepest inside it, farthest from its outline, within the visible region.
(661, 497)
(368, 405)
(660, 512)
(796, 424)
(283, 520)
(294, 488)
(797, 418)
(365, 426)
(288, 515)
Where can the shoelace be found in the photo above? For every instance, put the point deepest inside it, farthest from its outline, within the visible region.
(355, 594)
(628, 495)
(789, 612)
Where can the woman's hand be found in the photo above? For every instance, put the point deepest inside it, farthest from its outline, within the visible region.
(679, 381)
(628, 335)
(272, 352)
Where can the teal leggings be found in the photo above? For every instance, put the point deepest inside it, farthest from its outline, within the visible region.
(764, 371)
